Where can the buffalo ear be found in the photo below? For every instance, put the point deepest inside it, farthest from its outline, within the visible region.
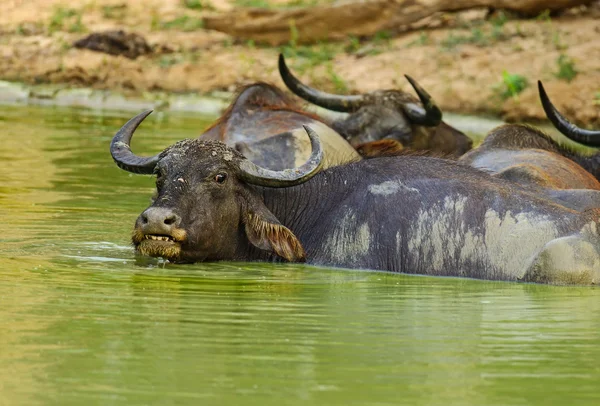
(264, 231)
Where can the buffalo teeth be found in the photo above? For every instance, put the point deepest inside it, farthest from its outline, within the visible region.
(158, 237)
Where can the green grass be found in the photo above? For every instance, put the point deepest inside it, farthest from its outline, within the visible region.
(21, 30)
(544, 16)
(511, 85)
(557, 41)
(340, 84)
(227, 42)
(114, 12)
(198, 4)
(553, 34)
(166, 61)
(422, 40)
(481, 35)
(475, 37)
(302, 3)
(453, 40)
(566, 68)
(498, 21)
(353, 45)
(253, 3)
(293, 34)
(30, 28)
(382, 37)
(65, 19)
(309, 56)
(374, 46)
(183, 23)
(312, 55)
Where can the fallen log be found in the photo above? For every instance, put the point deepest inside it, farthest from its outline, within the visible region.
(338, 21)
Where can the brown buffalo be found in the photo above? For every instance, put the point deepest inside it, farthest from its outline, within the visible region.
(267, 127)
(386, 115)
(525, 155)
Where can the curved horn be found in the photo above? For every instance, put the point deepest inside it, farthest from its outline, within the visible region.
(570, 130)
(121, 151)
(429, 115)
(329, 101)
(256, 175)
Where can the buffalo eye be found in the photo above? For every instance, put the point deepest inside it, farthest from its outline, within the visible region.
(220, 178)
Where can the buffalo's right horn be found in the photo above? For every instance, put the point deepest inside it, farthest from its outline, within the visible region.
(344, 104)
(570, 130)
(257, 175)
(121, 151)
(429, 115)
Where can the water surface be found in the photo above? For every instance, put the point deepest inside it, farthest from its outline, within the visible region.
(82, 321)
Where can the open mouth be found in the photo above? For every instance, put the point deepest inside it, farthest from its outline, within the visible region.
(163, 246)
(159, 238)
(168, 246)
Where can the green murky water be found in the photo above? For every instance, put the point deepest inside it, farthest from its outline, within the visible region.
(81, 322)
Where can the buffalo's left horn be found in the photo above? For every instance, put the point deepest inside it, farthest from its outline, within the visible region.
(256, 175)
(429, 115)
(570, 130)
(344, 104)
(121, 151)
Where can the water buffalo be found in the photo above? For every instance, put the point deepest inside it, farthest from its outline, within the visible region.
(412, 214)
(266, 126)
(390, 115)
(527, 156)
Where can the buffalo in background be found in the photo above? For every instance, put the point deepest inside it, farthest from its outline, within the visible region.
(386, 120)
(267, 127)
(529, 157)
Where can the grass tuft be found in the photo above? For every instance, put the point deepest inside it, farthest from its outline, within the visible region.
(512, 85)
(566, 68)
(182, 23)
(65, 19)
(198, 4)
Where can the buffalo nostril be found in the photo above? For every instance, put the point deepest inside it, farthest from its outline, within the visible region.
(159, 220)
(170, 219)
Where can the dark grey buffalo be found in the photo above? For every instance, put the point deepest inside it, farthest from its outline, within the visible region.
(409, 214)
(527, 156)
(380, 119)
(266, 126)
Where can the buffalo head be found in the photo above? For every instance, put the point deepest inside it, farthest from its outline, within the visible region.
(386, 114)
(207, 206)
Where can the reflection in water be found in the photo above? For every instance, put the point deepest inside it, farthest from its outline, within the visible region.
(82, 320)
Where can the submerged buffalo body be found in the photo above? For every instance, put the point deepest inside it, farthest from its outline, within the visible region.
(386, 118)
(266, 127)
(404, 214)
(525, 155)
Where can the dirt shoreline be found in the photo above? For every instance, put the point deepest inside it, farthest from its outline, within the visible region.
(472, 66)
